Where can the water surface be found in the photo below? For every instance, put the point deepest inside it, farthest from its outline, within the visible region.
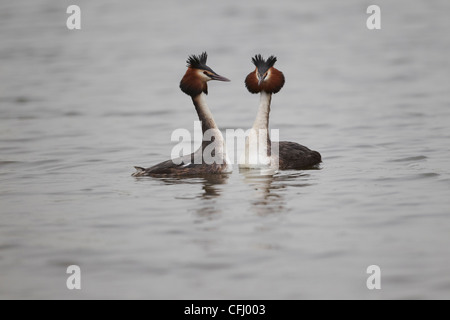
(79, 108)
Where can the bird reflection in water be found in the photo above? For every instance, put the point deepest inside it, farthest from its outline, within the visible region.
(209, 182)
(211, 186)
(268, 186)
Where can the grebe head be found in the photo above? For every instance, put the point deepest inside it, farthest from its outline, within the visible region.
(197, 75)
(265, 77)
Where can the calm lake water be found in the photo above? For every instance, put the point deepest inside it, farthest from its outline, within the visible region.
(79, 108)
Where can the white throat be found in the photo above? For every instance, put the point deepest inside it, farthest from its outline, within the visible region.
(210, 131)
(203, 111)
(258, 144)
(262, 117)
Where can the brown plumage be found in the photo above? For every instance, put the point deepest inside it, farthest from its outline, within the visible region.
(273, 83)
(169, 168)
(191, 84)
(294, 156)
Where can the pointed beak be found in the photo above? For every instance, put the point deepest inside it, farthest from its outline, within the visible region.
(261, 79)
(215, 76)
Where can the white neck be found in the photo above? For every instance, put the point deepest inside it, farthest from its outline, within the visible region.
(262, 117)
(258, 144)
(204, 114)
(210, 131)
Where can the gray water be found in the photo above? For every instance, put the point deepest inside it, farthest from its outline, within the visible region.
(79, 108)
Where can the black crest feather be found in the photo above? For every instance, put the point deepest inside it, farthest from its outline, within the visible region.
(263, 65)
(197, 62)
(271, 84)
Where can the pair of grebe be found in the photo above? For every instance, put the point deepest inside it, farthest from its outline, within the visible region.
(266, 80)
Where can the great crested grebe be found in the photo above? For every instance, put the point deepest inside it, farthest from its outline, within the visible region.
(267, 80)
(194, 84)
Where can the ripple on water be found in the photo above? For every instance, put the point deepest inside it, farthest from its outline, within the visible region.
(419, 176)
(427, 175)
(7, 246)
(410, 159)
(6, 163)
(123, 114)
